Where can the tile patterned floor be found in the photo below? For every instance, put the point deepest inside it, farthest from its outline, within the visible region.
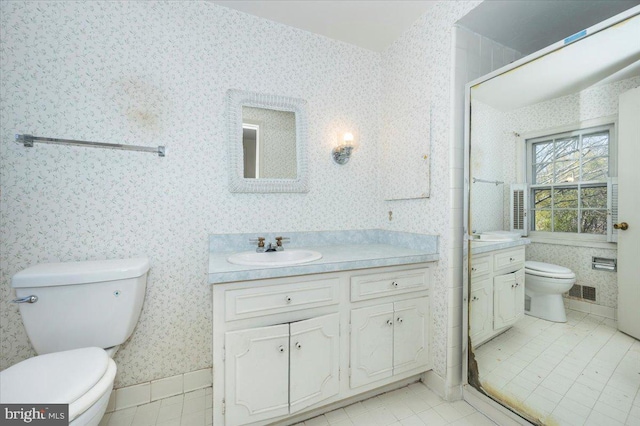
(583, 372)
(189, 409)
(414, 405)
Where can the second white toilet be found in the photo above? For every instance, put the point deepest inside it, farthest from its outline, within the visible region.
(544, 285)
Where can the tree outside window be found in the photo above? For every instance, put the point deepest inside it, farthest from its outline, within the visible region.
(568, 174)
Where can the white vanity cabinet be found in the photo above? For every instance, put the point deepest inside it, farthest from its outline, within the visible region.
(481, 309)
(258, 361)
(496, 293)
(281, 369)
(388, 339)
(284, 346)
(508, 299)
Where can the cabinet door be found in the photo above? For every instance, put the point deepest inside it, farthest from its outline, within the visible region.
(371, 344)
(410, 334)
(314, 361)
(519, 294)
(505, 312)
(256, 374)
(480, 310)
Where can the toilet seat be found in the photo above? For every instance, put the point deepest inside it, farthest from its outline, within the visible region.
(78, 377)
(548, 270)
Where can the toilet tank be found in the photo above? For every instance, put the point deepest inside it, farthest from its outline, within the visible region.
(81, 304)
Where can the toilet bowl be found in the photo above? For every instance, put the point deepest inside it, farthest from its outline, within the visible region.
(545, 283)
(82, 378)
(76, 315)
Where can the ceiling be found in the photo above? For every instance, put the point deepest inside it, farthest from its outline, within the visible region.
(373, 25)
(528, 26)
(606, 56)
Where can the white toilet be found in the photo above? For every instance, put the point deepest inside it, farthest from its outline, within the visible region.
(544, 286)
(76, 315)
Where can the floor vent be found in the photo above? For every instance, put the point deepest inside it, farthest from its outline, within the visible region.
(576, 291)
(589, 293)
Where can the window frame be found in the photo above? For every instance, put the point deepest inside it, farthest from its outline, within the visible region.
(526, 174)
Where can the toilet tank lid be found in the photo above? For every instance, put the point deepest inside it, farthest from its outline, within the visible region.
(69, 273)
(546, 267)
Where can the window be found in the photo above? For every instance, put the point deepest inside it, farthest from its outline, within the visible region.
(568, 175)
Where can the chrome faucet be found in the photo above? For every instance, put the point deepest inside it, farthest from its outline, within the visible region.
(270, 246)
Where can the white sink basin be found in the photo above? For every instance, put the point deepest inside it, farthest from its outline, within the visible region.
(274, 258)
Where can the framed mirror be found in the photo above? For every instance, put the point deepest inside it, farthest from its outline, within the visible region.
(267, 143)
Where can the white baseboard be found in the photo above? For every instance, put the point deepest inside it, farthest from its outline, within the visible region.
(434, 382)
(591, 308)
(143, 393)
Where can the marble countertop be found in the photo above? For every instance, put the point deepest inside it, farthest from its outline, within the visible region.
(478, 247)
(335, 257)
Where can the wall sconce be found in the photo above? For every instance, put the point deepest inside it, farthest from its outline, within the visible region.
(342, 153)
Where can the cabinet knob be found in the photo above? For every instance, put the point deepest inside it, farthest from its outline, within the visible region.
(288, 299)
(298, 345)
(399, 320)
(474, 298)
(473, 269)
(389, 323)
(394, 283)
(281, 348)
(511, 259)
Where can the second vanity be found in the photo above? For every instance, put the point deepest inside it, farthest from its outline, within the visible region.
(288, 340)
(497, 288)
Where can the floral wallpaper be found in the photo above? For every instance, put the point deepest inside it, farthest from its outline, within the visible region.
(156, 73)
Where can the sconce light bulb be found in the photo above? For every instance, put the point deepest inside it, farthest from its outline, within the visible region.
(348, 138)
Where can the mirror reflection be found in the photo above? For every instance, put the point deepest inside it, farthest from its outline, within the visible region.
(269, 143)
(553, 317)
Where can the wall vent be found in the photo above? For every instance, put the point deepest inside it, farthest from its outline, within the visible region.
(576, 291)
(589, 293)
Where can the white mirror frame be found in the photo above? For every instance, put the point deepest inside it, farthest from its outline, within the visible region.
(237, 182)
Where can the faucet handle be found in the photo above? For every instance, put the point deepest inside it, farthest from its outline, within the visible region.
(280, 240)
(259, 240)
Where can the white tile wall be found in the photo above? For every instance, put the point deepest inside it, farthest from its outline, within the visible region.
(132, 396)
(155, 390)
(167, 387)
(197, 379)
